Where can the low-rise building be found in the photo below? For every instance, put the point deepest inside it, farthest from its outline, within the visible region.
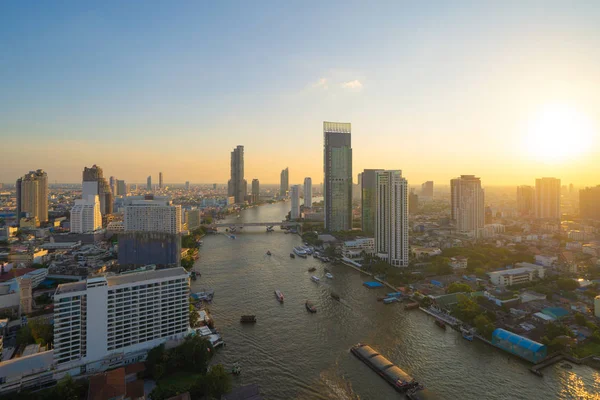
(546, 260)
(355, 249)
(458, 262)
(525, 272)
(420, 252)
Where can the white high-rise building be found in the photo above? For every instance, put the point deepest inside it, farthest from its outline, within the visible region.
(119, 317)
(391, 221)
(547, 198)
(86, 215)
(155, 215)
(295, 212)
(307, 192)
(468, 205)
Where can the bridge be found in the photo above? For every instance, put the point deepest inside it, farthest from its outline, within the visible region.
(285, 224)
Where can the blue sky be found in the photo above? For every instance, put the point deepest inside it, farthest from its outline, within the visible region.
(437, 89)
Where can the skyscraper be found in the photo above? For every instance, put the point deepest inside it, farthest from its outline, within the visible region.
(295, 211)
(427, 190)
(391, 223)
(337, 166)
(468, 204)
(284, 183)
(255, 191)
(525, 200)
(121, 188)
(307, 192)
(187, 185)
(112, 183)
(32, 195)
(94, 184)
(547, 198)
(413, 203)
(86, 215)
(237, 186)
(369, 200)
(160, 180)
(149, 183)
(589, 203)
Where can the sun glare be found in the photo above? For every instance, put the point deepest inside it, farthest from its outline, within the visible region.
(559, 133)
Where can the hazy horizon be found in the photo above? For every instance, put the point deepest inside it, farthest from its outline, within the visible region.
(506, 92)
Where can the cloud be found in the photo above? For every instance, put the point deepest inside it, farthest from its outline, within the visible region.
(353, 85)
(321, 83)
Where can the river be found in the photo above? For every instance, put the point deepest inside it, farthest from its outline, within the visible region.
(293, 354)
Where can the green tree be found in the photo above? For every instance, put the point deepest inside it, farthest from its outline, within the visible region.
(216, 383)
(484, 326)
(24, 336)
(580, 319)
(196, 352)
(456, 287)
(67, 389)
(194, 318)
(155, 362)
(567, 284)
(42, 331)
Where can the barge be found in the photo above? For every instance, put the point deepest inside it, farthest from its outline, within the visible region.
(393, 375)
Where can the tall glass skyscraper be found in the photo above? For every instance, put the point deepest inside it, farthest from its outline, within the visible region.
(284, 183)
(337, 183)
(237, 186)
(369, 200)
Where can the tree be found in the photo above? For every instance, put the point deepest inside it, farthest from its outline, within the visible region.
(567, 284)
(215, 383)
(196, 352)
(24, 336)
(484, 326)
(67, 389)
(41, 331)
(193, 316)
(155, 362)
(456, 287)
(580, 319)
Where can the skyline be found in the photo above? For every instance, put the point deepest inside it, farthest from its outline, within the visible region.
(444, 93)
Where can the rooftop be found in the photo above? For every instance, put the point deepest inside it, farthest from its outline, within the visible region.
(15, 273)
(107, 385)
(28, 365)
(146, 275)
(71, 287)
(516, 271)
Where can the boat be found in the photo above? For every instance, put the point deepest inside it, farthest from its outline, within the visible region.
(440, 323)
(311, 269)
(335, 296)
(310, 307)
(279, 296)
(393, 375)
(411, 306)
(315, 279)
(566, 366)
(389, 300)
(248, 319)
(328, 275)
(193, 275)
(292, 255)
(270, 229)
(268, 252)
(300, 252)
(205, 295)
(395, 294)
(236, 369)
(467, 334)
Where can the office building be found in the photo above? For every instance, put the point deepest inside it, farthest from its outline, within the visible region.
(369, 200)
(193, 218)
(589, 203)
(149, 183)
(152, 214)
(284, 183)
(413, 203)
(32, 196)
(427, 191)
(547, 198)
(525, 200)
(187, 185)
(524, 272)
(337, 165)
(467, 204)
(121, 188)
(295, 211)
(255, 191)
(391, 222)
(160, 180)
(86, 216)
(237, 186)
(112, 183)
(308, 193)
(143, 248)
(94, 184)
(119, 318)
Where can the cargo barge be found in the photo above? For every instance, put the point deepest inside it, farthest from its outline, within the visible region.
(396, 377)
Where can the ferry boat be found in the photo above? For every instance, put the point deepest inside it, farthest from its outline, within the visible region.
(411, 306)
(440, 323)
(205, 295)
(300, 252)
(310, 307)
(279, 296)
(393, 375)
(248, 319)
(467, 334)
(292, 255)
(311, 269)
(315, 279)
(236, 369)
(389, 300)
(328, 275)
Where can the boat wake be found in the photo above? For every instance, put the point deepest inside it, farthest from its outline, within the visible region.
(339, 387)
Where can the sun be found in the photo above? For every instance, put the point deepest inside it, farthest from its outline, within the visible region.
(559, 133)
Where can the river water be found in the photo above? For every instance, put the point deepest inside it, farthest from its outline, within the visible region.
(293, 354)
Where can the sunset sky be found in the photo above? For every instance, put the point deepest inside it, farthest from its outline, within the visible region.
(508, 91)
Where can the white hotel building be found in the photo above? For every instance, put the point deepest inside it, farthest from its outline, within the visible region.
(86, 216)
(153, 215)
(110, 321)
(391, 221)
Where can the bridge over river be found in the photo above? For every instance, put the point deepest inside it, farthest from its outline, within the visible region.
(238, 225)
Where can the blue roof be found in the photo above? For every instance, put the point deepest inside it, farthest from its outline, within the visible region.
(373, 284)
(556, 312)
(518, 340)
